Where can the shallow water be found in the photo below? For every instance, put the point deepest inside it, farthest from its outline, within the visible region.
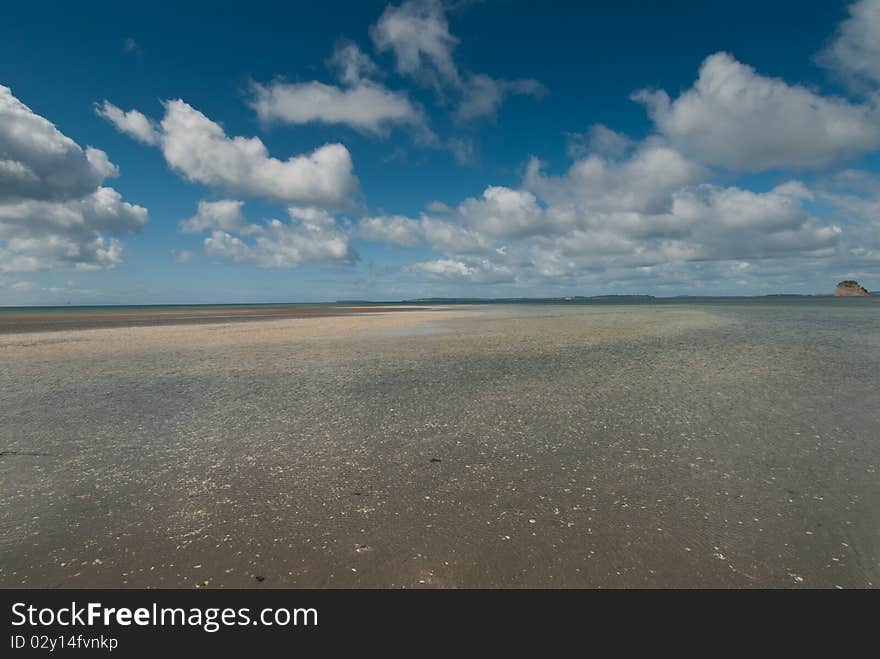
(692, 444)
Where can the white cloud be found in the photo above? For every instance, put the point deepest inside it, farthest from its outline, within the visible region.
(103, 211)
(37, 161)
(599, 139)
(470, 228)
(643, 182)
(854, 52)
(857, 194)
(445, 268)
(311, 235)
(437, 206)
(352, 65)
(417, 32)
(480, 271)
(360, 103)
(855, 197)
(17, 285)
(132, 123)
(54, 213)
(482, 95)
(731, 223)
(394, 229)
(702, 222)
(224, 215)
(28, 292)
(504, 213)
(449, 236)
(58, 251)
(439, 233)
(200, 150)
(365, 106)
(633, 214)
(736, 118)
(648, 209)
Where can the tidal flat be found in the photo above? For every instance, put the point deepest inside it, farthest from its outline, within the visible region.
(718, 444)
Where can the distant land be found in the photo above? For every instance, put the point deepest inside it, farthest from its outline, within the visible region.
(617, 299)
(573, 299)
(850, 288)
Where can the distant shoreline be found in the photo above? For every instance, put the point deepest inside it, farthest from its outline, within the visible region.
(307, 307)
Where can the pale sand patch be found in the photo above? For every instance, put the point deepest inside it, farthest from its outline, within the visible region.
(112, 339)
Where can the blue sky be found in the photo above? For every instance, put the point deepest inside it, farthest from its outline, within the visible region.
(231, 152)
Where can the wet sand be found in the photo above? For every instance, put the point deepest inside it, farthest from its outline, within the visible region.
(526, 446)
(25, 321)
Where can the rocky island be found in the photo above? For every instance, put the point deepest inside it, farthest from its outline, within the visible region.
(850, 288)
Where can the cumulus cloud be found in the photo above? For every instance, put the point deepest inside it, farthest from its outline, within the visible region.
(417, 33)
(857, 193)
(225, 215)
(54, 212)
(365, 106)
(200, 150)
(643, 182)
(80, 233)
(499, 213)
(394, 229)
(628, 214)
(37, 161)
(646, 209)
(360, 103)
(737, 118)
(449, 236)
(631, 213)
(311, 235)
(855, 197)
(854, 52)
(505, 213)
(132, 123)
(731, 223)
(441, 234)
(480, 271)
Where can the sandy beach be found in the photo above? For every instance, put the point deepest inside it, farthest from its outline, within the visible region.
(143, 331)
(33, 320)
(499, 446)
